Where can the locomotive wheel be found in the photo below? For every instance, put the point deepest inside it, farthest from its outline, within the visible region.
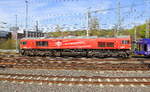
(31, 53)
(125, 56)
(90, 54)
(26, 53)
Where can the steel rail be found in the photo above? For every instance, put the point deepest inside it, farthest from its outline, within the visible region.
(75, 77)
(75, 82)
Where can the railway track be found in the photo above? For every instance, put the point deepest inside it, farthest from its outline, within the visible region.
(17, 56)
(75, 80)
(94, 68)
(74, 63)
(21, 58)
(76, 66)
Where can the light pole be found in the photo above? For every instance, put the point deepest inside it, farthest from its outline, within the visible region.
(135, 34)
(119, 18)
(148, 19)
(26, 30)
(88, 20)
(37, 26)
(147, 28)
(16, 32)
(16, 16)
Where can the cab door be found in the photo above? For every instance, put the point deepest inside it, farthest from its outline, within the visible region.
(145, 47)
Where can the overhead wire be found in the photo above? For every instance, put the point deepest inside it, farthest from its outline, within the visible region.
(74, 16)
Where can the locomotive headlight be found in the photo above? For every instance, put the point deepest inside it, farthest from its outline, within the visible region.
(25, 47)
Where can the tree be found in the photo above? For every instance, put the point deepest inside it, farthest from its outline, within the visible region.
(140, 31)
(58, 31)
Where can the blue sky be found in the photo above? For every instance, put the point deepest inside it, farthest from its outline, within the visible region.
(71, 14)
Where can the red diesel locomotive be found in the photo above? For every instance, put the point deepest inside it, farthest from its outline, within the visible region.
(78, 46)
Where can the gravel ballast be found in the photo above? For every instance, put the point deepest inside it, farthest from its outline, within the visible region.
(79, 72)
(16, 87)
(26, 87)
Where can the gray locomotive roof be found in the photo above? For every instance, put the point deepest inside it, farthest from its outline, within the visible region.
(74, 37)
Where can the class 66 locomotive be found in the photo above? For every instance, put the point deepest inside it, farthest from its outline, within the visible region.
(77, 46)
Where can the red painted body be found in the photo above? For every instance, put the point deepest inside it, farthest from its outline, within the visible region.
(77, 43)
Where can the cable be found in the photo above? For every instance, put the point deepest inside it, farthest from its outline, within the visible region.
(110, 9)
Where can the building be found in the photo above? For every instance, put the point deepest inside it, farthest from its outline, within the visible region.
(34, 34)
(5, 34)
(14, 32)
(18, 33)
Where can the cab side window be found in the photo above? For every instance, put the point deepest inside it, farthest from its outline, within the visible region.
(145, 47)
(42, 43)
(23, 43)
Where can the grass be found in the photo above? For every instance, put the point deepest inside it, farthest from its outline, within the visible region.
(8, 44)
